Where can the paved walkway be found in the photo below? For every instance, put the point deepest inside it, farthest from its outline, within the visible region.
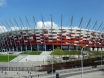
(97, 74)
(67, 73)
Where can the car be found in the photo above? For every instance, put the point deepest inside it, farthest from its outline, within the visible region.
(94, 66)
(50, 71)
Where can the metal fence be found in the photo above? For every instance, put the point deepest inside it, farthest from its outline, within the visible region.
(18, 68)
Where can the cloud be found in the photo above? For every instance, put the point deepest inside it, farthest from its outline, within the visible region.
(3, 29)
(2, 2)
(14, 28)
(18, 28)
(46, 25)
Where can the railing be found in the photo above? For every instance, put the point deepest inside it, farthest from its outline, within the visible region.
(18, 68)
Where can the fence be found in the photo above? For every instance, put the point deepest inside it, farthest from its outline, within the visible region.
(18, 68)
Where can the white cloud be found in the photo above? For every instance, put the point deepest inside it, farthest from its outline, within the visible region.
(3, 29)
(18, 28)
(14, 28)
(2, 2)
(46, 25)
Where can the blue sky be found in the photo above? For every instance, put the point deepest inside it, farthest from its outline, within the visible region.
(94, 9)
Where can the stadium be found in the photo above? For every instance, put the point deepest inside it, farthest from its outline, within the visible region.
(24, 47)
(47, 39)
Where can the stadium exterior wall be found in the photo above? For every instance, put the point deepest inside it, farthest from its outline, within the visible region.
(49, 39)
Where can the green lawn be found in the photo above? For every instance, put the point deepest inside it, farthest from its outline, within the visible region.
(32, 53)
(69, 53)
(72, 52)
(78, 53)
(4, 58)
(97, 52)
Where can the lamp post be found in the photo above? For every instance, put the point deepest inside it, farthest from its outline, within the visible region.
(101, 53)
(82, 60)
(101, 57)
(8, 62)
(75, 46)
(52, 63)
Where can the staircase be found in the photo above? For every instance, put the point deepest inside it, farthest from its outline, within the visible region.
(18, 58)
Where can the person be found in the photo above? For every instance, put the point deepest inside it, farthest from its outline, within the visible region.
(79, 68)
(54, 77)
(1, 71)
(57, 75)
(28, 71)
(5, 73)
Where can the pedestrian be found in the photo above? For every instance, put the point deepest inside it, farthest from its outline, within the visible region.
(54, 77)
(28, 71)
(79, 68)
(1, 71)
(5, 73)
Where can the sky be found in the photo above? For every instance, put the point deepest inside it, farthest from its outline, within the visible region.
(88, 9)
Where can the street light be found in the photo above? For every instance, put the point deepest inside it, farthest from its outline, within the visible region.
(82, 59)
(75, 46)
(101, 57)
(8, 62)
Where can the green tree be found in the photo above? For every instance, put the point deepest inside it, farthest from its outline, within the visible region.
(59, 52)
(51, 59)
(56, 56)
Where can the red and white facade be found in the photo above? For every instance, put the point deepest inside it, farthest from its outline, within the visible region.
(49, 39)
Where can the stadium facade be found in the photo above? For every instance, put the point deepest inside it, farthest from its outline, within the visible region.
(49, 39)
(45, 39)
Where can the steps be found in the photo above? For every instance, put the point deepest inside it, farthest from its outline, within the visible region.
(18, 58)
(46, 53)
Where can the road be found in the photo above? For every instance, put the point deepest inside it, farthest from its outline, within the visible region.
(97, 74)
(67, 73)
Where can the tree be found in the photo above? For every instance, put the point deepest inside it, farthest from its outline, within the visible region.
(58, 52)
(51, 59)
(56, 56)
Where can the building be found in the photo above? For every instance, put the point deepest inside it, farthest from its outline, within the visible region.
(49, 39)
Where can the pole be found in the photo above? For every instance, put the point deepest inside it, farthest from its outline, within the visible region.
(61, 31)
(43, 25)
(8, 63)
(29, 33)
(71, 31)
(35, 25)
(82, 60)
(82, 63)
(101, 57)
(22, 30)
(52, 42)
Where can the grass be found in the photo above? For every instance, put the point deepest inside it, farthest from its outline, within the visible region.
(68, 53)
(97, 52)
(79, 52)
(4, 58)
(72, 52)
(32, 53)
